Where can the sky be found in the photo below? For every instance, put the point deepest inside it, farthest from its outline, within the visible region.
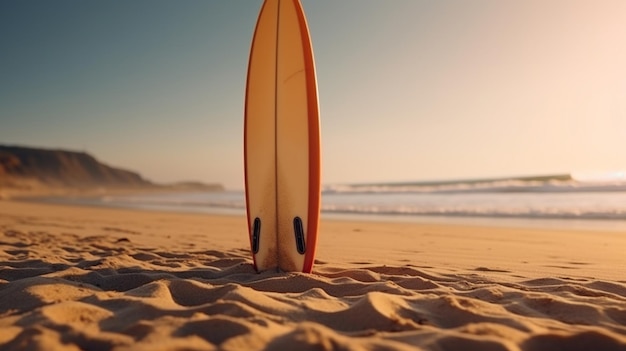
(409, 90)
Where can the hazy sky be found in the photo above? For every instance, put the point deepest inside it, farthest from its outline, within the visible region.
(409, 89)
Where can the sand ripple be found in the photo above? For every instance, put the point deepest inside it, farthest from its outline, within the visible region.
(70, 292)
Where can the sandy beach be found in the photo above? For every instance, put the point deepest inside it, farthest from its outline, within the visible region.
(87, 278)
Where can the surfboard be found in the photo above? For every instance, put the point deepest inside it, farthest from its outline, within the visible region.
(282, 141)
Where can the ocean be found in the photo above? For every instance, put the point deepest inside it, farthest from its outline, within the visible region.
(555, 201)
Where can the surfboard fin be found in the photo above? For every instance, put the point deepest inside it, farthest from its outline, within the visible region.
(256, 235)
(299, 232)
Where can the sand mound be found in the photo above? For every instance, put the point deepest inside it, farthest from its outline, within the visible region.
(62, 288)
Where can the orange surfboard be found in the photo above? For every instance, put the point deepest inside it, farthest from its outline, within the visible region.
(282, 141)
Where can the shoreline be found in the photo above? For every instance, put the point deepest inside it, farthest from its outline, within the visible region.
(75, 277)
(91, 198)
(36, 191)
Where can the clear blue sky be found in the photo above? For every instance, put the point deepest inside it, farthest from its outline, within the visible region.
(409, 89)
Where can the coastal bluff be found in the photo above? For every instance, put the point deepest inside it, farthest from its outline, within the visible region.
(27, 168)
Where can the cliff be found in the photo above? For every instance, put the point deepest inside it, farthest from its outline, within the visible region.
(62, 168)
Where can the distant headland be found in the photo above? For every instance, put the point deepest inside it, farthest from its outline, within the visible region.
(26, 170)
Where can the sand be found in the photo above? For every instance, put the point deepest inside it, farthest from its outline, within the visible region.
(75, 278)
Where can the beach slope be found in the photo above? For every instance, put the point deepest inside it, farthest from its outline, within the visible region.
(75, 278)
